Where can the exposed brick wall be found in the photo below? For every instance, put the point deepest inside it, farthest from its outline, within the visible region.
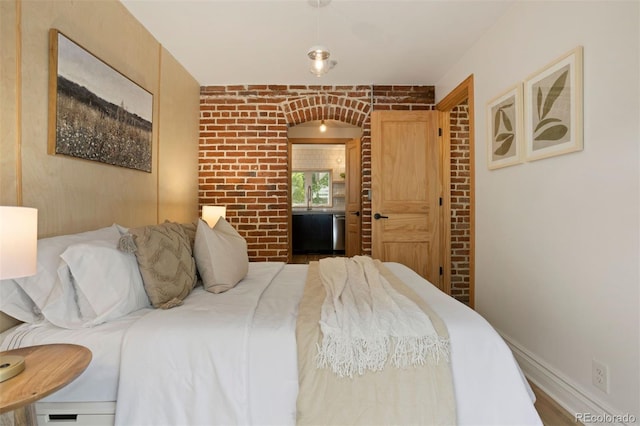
(243, 149)
(460, 207)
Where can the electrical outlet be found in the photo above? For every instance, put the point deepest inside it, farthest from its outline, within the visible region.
(600, 376)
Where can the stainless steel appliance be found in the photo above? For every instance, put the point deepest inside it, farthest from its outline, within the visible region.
(338, 232)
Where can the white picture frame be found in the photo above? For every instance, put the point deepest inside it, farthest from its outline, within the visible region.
(553, 104)
(504, 128)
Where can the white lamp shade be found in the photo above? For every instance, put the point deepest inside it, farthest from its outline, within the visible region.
(18, 241)
(211, 214)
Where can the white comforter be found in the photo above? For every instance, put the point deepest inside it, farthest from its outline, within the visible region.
(202, 389)
(190, 365)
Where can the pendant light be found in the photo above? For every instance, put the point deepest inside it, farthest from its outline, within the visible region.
(318, 54)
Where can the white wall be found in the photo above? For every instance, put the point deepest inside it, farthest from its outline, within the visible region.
(557, 254)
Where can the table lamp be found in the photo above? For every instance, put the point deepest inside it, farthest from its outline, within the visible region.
(18, 258)
(211, 214)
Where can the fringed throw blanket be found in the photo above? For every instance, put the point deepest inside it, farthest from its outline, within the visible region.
(392, 372)
(364, 320)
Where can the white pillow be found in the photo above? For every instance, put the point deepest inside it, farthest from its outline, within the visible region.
(42, 287)
(65, 307)
(221, 256)
(15, 302)
(108, 278)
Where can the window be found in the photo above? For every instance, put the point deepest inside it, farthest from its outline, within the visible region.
(320, 183)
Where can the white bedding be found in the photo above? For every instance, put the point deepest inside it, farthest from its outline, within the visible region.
(489, 386)
(99, 382)
(201, 354)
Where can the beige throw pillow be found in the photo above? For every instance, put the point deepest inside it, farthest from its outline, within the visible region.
(221, 256)
(166, 263)
(190, 231)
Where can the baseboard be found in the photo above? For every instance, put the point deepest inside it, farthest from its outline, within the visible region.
(561, 390)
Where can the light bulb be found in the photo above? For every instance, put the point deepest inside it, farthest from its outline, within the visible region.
(320, 63)
(323, 127)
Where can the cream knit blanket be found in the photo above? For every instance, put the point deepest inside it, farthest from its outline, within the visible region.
(364, 320)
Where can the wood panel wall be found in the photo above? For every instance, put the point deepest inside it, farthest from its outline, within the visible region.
(74, 195)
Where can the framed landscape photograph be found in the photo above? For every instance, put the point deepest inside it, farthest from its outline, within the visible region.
(95, 112)
(504, 124)
(553, 108)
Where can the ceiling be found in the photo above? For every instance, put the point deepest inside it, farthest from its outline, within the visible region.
(224, 42)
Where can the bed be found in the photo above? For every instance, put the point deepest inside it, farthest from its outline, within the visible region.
(231, 357)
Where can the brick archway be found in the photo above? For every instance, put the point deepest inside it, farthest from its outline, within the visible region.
(355, 112)
(325, 107)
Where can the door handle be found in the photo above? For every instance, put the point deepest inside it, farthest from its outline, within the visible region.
(355, 213)
(379, 216)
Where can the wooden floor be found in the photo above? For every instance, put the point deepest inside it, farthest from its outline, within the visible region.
(306, 258)
(550, 412)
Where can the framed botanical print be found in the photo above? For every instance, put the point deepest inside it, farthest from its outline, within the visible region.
(553, 108)
(504, 124)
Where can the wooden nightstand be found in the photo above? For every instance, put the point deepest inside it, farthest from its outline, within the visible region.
(47, 369)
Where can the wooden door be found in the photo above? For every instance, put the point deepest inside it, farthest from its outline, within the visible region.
(353, 211)
(406, 187)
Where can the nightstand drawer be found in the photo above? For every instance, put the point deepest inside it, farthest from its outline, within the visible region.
(76, 413)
